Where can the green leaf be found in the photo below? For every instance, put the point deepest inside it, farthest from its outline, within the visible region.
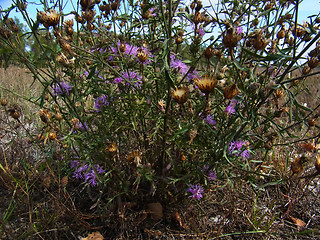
(168, 78)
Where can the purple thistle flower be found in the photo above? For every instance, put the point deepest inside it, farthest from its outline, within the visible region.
(230, 110)
(239, 30)
(196, 191)
(245, 154)
(201, 32)
(99, 169)
(62, 88)
(74, 164)
(100, 102)
(231, 147)
(90, 177)
(78, 173)
(210, 120)
(83, 126)
(211, 175)
(131, 77)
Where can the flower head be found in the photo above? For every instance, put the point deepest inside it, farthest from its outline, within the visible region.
(180, 94)
(100, 102)
(90, 177)
(62, 88)
(210, 120)
(206, 84)
(196, 191)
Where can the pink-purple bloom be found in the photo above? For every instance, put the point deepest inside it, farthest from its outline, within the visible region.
(86, 173)
(62, 88)
(236, 148)
(100, 102)
(196, 191)
(132, 78)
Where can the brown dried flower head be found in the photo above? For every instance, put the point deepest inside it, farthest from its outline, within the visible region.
(209, 52)
(142, 55)
(231, 38)
(313, 62)
(48, 18)
(112, 147)
(230, 92)
(180, 95)
(258, 40)
(88, 15)
(5, 33)
(206, 83)
(45, 116)
(279, 93)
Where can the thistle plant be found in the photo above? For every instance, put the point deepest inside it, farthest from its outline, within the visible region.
(147, 94)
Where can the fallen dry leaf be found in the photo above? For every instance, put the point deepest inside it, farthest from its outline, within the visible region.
(94, 236)
(177, 217)
(155, 210)
(298, 222)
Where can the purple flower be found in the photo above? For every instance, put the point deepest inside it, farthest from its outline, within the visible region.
(239, 30)
(196, 191)
(211, 175)
(90, 177)
(131, 77)
(99, 169)
(74, 164)
(83, 126)
(210, 120)
(230, 109)
(100, 102)
(201, 32)
(78, 173)
(180, 66)
(62, 88)
(245, 154)
(235, 146)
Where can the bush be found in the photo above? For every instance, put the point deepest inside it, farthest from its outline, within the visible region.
(154, 101)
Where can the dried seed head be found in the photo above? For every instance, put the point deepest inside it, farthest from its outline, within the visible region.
(197, 18)
(45, 116)
(178, 40)
(206, 84)
(48, 18)
(193, 5)
(180, 95)
(312, 122)
(112, 147)
(146, 14)
(4, 102)
(87, 4)
(281, 34)
(313, 62)
(64, 44)
(58, 116)
(5, 33)
(180, 33)
(15, 115)
(230, 92)
(64, 181)
(279, 93)
(12, 25)
(69, 31)
(122, 47)
(80, 19)
(88, 15)
(68, 23)
(52, 135)
(209, 52)
(306, 70)
(142, 55)
(115, 5)
(257, 40)
(135, 157)
(231, 38)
